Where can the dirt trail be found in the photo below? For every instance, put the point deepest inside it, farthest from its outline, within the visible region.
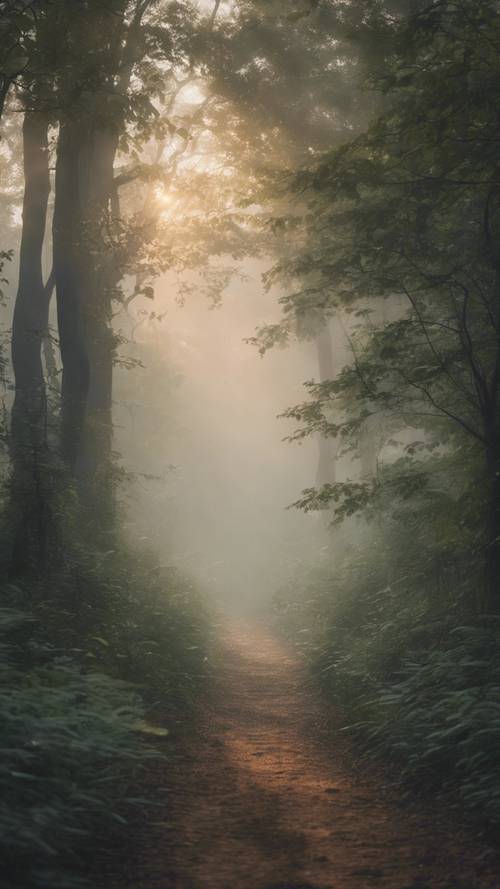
(263, 799)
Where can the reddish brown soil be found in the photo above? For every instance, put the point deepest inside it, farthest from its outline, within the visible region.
(265, 797)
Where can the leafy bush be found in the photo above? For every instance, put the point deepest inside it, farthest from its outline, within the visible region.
(69, 744)
(92, 650)
(159, 631)
(122, 613)
(398, 647)
(441, 716)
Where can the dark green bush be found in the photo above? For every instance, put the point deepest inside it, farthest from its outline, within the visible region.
(399, 648)
(441, 716)
(158, 628)
(101, 651)
(68, 746)
(122, 613)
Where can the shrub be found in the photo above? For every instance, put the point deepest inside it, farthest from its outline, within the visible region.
(414, 670)
(441, 717)
(68, 747)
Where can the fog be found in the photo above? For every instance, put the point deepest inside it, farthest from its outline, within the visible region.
(201, 417)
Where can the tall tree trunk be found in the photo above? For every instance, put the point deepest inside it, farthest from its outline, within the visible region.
(85, 275)
(101, 276)
(49, 357)
(31, 308)
(328, 447)
(86, 271)
(69, 281)
(29, 326)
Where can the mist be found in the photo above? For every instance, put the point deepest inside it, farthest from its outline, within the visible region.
(249, 444)
(225, 477)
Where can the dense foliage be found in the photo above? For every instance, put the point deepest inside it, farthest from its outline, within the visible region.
(415, 676)
(69, 741)
(84, 691)
(395, 238)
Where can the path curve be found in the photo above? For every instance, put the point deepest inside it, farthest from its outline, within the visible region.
(263, 799)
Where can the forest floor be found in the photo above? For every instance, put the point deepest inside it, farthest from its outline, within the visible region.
(265, 795)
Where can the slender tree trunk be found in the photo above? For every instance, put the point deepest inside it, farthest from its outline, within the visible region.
(328, 447)
(49, 357)
(32, 306)
(68, 272)
(30, 321)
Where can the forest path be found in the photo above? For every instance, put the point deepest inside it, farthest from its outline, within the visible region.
(263, 798)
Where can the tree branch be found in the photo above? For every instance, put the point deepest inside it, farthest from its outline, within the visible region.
(442, 410)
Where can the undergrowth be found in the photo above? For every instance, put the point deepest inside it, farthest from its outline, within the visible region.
(414, 670)
(69, 742)
(98, 663)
